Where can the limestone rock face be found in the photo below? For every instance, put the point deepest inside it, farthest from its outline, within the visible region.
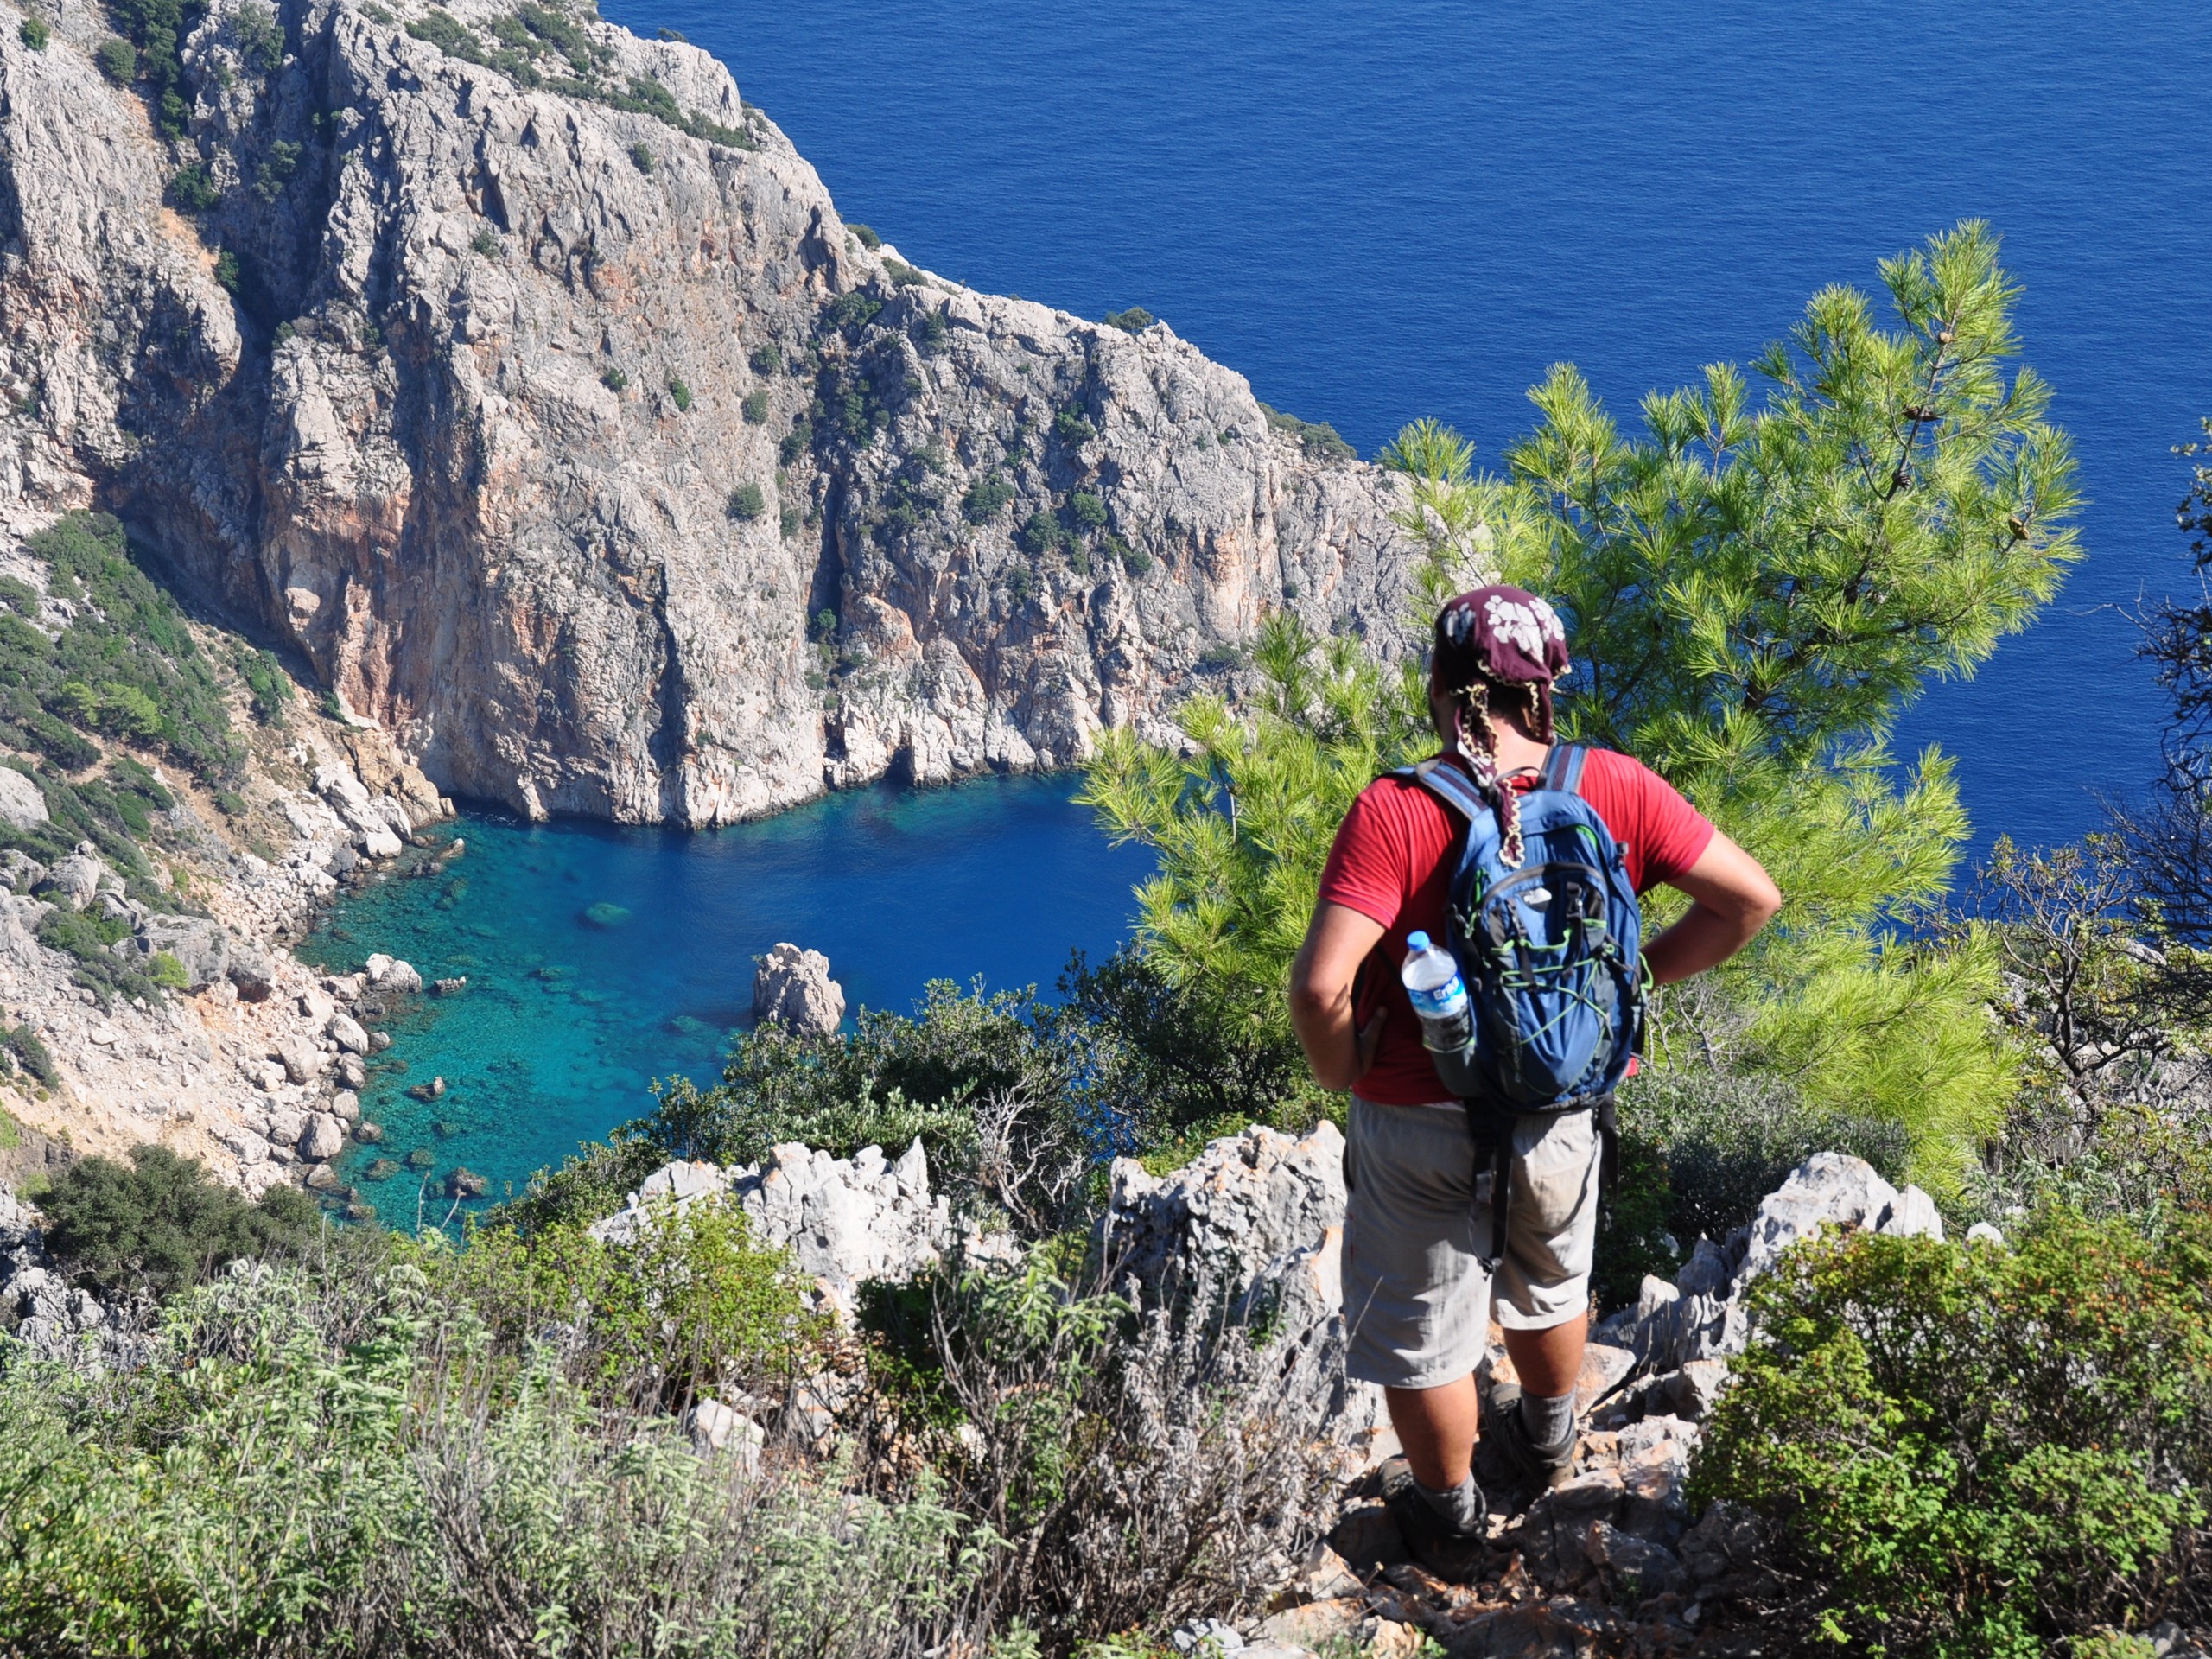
(793, 988)
(22, 805)
(638, 494)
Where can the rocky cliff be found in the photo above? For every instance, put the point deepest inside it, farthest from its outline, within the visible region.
(520, 378)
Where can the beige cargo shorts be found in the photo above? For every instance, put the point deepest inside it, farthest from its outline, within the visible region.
(1417, 1294)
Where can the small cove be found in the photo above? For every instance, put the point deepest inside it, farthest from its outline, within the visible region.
(599, 958)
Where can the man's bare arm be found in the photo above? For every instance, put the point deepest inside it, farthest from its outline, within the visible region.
(1337, 942)
(1733, 898)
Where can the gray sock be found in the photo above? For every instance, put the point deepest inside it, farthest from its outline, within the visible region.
(1462, 1508)
(1547, 1421)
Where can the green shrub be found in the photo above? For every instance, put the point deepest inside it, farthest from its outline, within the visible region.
(35, 34)
(1072, 428)
(1319, 437)
(641, 157)
(19, 596)
(679, 394)
(484, 243)
(229, 274)
(796, 442)
(271, 688)
(747, 502)
(932, 333)
(902, 274)
(160, 1223)
(1134, 320)
(1980, 1451)
(614, 379)
(276, 169)
(1042, 533)
(985, 495)
(850, 312)
(1088, 510)
(357, 1447)
(117, 59)
(766, 359)
(166, 972)
(788, 519)
(755, 407)
(191, 190)
(863, 234)
(259, 36)
(31, 1051)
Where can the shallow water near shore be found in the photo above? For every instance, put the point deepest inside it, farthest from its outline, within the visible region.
(599, 958)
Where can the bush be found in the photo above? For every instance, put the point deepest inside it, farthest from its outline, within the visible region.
(30, 1050)
(931, 333)
(747, 502)
(271, 688)
(614, 379)
(117, 59)
(1980, 1451)
(1134, 321)
(229, 274)
(902, 274)
(35, 34)
(641, 157)
(679, 394)
(1043, 533)
(1317, 437)
(484, 243)
(796, 442)
(1087, 510)
(788, 519)
(191, 190)
(850, 312)
(985, 496)
(755, 407)
(464, 1496)
(863, 234)
(1072, 428)
(276, 171)
(160, 1223)
(766, 359)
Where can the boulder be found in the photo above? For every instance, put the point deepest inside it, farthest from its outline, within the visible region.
(19, 871)
(1553, 1535)
(844, 1220)
(715, 1426)
(324, 1136)
(1629, 1568)
(202, 947)
(392, 974)
(250, 969)
(303, 1062)
(345, 1106)
(793, 986)
(344, 1029)
(22, 803)
(287, 1126)
(75, 880)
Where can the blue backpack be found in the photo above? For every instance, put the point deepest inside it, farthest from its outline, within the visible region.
(1551, 955)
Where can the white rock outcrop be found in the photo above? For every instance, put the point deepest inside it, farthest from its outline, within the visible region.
(793, 988)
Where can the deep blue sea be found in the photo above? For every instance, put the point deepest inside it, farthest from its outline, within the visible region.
(1377, 214)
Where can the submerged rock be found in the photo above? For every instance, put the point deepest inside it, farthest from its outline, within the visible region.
(604, 915)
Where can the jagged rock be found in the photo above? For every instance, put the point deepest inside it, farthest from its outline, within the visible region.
(345, 1106)
(844, 1221)
(22, 806)
(793, 988)
(715, 1426)
(323, 1179)
(1553, 1534)
(466, 1184)
(287, 1126)
(19, 871)
(345, 1031)
(443, 393)
(1726, 1552)
(352, 1072)
(1562, 1628)
(303, 1062)
(393, 976)
(202, 948)
(323, 1137)
(453, 986)
(1244, 1206)
(250, 969)
(75, 880)
(368, 1134)
(1631, 1568)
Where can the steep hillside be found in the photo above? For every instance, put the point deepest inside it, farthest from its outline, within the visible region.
(526, 381)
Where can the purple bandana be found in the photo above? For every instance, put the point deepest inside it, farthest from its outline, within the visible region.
(1503, 636)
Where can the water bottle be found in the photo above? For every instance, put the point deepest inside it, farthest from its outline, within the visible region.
(1431, 979)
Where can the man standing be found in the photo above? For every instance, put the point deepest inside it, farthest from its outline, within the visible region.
(1417, 1232)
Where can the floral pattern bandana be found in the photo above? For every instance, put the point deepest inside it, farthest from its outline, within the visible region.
(1503, 636)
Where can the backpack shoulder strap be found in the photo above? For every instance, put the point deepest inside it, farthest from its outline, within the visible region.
(1563, 768)
(1449, 784)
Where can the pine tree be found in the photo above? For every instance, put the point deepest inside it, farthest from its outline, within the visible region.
(1755, 590)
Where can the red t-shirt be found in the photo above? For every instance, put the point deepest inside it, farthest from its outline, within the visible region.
(1392, 862)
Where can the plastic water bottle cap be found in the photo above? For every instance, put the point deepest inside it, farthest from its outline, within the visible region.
(1416, 941)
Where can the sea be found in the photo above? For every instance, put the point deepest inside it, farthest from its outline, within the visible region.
(1378, 213)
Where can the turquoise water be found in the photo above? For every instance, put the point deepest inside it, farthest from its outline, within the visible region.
(572, 1008)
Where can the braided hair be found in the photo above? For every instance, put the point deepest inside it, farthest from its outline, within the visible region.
(1474, 741)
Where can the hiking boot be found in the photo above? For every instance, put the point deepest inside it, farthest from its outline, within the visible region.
(1539, 1468)
(1430, 1539)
